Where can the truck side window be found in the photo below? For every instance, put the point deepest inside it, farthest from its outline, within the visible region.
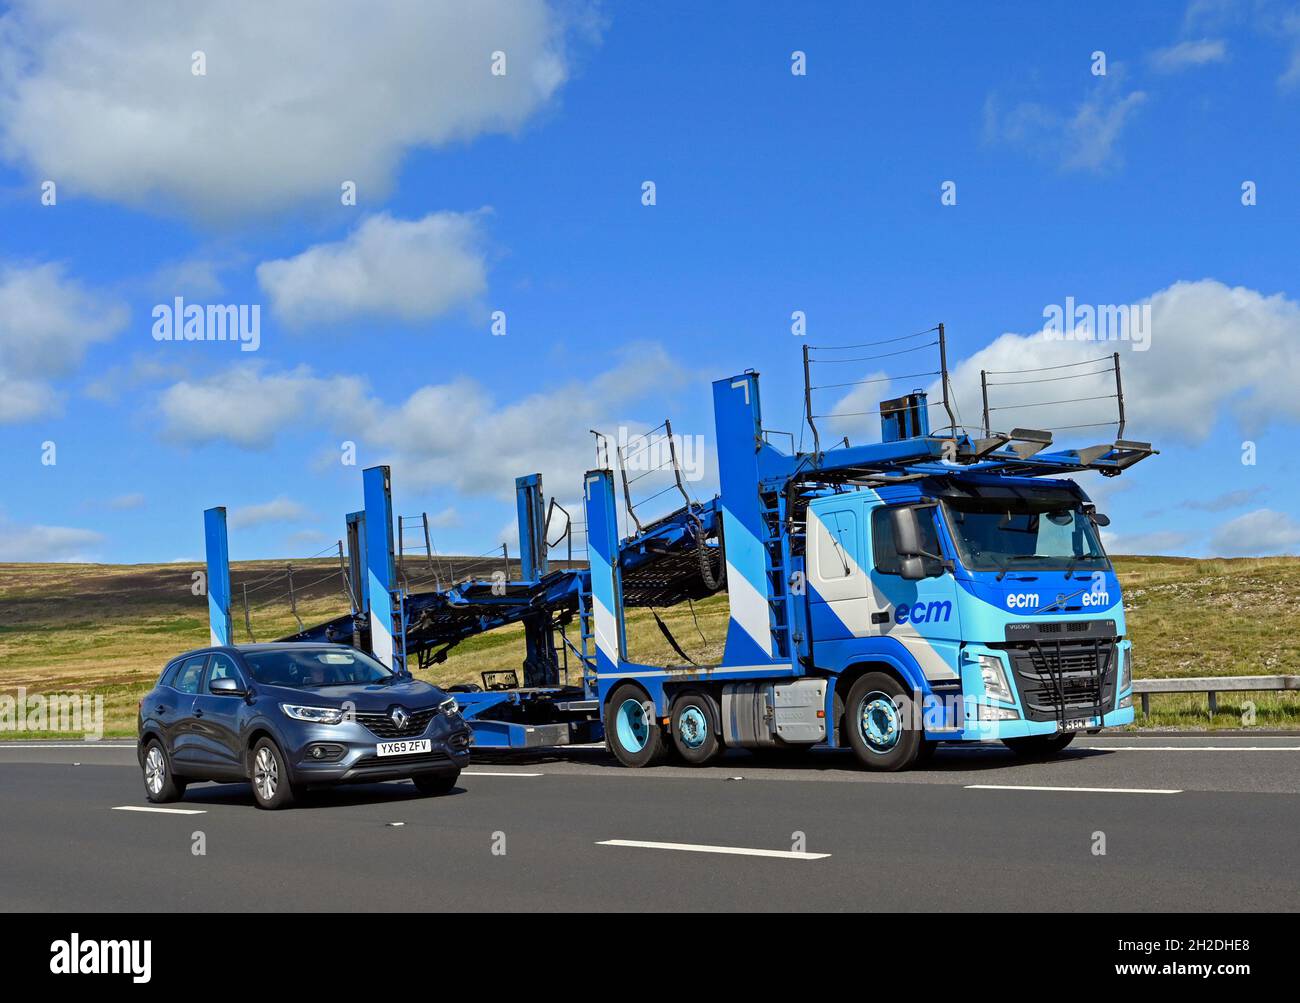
(884, 556)
(837, 548)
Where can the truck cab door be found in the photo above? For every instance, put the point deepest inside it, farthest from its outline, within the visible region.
(921, 615)
(838, 590)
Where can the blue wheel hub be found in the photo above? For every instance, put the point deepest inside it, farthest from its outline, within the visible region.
(631, 725)
(692, 727)
(880, 724)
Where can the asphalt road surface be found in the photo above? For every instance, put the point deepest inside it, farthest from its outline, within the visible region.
(1187, 823)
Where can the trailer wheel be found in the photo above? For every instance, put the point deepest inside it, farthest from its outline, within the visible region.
(1039, 746)
(631, 731)
(695, 728)
(879, 730)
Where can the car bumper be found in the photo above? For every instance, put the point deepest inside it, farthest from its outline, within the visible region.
(353, 752)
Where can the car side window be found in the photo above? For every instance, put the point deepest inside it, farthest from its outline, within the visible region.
(222, 667)
(884, 554)
(168, 677)
(190, 675)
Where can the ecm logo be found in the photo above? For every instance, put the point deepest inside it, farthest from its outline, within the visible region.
(1095, 599)
(1022, 600)
(923, 612)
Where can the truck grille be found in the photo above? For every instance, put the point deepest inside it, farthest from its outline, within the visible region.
(1063, 680)
(381, 724)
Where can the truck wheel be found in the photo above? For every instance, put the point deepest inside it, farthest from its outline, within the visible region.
(631, 731)
(695, 728)
(1039, 746)
(879, 732)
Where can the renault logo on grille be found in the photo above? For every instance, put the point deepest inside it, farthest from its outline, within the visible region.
(399, 717)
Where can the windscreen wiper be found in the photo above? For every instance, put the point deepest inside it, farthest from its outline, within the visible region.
(1006, 565)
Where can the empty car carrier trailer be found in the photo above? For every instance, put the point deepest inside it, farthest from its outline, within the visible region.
(931, 587)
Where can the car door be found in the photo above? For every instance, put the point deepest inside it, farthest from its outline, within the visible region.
(185, 690)
(216, 719)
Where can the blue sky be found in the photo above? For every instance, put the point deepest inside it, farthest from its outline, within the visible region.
(522, 193)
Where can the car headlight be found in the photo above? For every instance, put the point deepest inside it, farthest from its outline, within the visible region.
(316, 715)
(1126, 670)
(449, 706)
(995, 679)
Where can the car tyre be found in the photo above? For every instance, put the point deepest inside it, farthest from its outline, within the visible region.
(272, 789)
(160, 784)
(631, 731)
(435, 783)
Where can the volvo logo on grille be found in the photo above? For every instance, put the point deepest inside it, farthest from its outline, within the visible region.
(399, 717)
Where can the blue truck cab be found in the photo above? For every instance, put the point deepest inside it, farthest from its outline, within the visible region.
(883, 597)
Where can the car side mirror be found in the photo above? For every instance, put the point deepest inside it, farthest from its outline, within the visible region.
(227, 687)
(1101, 519)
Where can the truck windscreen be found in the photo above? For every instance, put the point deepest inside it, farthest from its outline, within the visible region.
(1008, 534)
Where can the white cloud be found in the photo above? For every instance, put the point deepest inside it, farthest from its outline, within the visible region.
(248, 408)
(1212, 350)
(1159, 543)
(279, 509)
(1261, 533)
(1185, 55)
(47, 323)
(34, 544)
(126, 502)
(411, 270)
(457, 435)
(1085, 139)
(298, 96)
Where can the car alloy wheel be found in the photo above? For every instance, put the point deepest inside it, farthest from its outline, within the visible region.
(266, 774)
(155, 770)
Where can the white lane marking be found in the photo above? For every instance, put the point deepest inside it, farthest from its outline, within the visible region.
(486, 773)
(1075, 790)
(64, 745)
(740, 851)
(1191, 748)
(162, 811)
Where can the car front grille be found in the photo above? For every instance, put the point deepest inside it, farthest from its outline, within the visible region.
(1063, 680)
(380, 723)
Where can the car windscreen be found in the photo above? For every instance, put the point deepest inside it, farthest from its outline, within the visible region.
(308, 668)
(1024, 533)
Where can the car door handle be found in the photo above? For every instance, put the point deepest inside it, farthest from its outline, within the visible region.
(198, 711)
(160, 709)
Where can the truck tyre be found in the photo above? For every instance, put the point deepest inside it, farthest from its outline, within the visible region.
(631, 731)
(880, 733)
(695, 728)
(1039, 746)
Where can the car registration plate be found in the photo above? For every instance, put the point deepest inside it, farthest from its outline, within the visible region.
(403, 748)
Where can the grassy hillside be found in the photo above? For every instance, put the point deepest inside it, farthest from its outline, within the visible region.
(108, 629)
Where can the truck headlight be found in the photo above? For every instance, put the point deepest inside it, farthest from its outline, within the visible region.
(316, 715)
(1126, 670)
(995, 679)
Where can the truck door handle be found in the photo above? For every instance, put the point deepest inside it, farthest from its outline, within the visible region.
(880, 618)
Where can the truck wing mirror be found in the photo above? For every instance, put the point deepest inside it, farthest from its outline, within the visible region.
(1101, 519)
(907, 532)
(912, 568)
